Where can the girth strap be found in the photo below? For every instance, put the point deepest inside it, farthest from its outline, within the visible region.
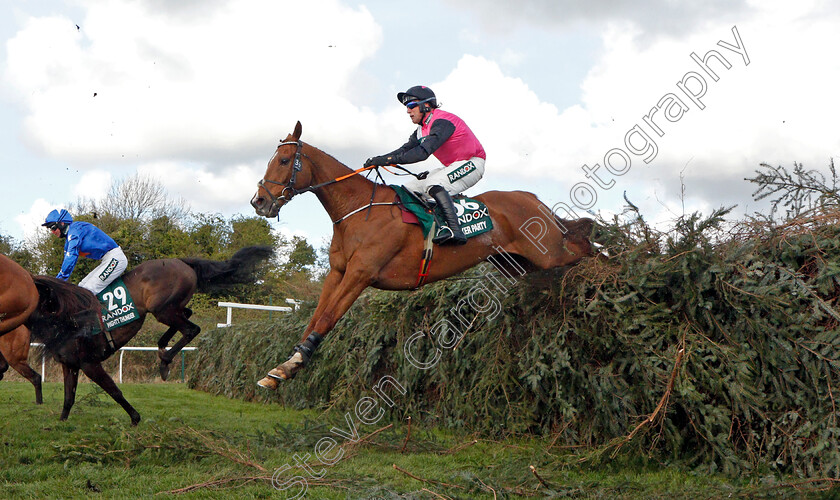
(428, 251)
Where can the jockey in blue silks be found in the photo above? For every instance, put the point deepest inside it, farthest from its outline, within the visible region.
(86, 240)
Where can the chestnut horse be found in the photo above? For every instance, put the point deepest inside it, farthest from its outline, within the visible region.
(18, 298)
(371, 246)
(68, 321)
(14, 351)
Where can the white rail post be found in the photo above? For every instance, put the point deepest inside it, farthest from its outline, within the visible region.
(122, 352)
(43, 359)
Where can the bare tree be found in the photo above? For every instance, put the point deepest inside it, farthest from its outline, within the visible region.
(141, 197)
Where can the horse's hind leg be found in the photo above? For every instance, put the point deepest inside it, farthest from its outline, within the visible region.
(32, 376)
(8, 342)
(557, 243)
(188, 331)
(15, 347)
(163, 342)
(3, 366)
(71, 380)
(103, 380)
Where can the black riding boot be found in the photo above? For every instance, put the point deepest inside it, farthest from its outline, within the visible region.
(450, 233)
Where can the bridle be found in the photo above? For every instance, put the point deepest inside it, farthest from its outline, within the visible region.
(290, 184)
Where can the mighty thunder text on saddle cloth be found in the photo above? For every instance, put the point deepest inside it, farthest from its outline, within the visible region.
(451, 141)
(86, 240)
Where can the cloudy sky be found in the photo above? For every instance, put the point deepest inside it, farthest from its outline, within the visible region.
(197, 94)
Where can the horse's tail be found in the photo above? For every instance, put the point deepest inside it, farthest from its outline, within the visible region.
(241, 268)
(64, 311)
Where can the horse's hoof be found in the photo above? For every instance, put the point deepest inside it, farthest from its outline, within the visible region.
(164, 371)
(280, 373)
(268, 383)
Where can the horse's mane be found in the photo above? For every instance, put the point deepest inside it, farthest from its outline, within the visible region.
(64, 311)
(339, 162)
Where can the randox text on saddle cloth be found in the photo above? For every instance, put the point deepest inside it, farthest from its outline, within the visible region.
(639, 141)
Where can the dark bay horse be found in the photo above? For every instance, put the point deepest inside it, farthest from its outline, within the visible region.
(14, 352)
(375, 248)
(67, 319)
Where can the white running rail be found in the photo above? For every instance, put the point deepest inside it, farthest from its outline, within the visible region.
(234, 305)
(123, 349)
(122, 353)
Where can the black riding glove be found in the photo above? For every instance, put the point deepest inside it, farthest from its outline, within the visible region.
(378, 161)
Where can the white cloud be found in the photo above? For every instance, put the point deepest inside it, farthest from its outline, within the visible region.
(93, 185)
(218, 77)
(30, 222)
(223, 191)
(776, 109)
(511, 58)
(652, 17)
(198, 93)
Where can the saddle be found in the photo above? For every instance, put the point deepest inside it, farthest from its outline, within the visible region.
(473, 215)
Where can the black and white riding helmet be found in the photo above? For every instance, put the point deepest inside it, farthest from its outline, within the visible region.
(419, 93)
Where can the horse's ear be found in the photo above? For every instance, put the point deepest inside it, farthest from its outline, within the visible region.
(298, 131)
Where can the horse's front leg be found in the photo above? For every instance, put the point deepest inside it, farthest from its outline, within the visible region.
(96, 373)
(339, 293)
(71, 381)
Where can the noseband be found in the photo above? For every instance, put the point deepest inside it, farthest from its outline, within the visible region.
(288, 186)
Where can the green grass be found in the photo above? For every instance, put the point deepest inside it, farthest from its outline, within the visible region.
(188, 438)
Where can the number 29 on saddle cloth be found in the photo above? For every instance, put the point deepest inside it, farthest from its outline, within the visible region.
(473, 215)
(118, 307)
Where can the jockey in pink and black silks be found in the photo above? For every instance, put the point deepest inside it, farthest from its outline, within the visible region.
(86, 240)
(451, 141)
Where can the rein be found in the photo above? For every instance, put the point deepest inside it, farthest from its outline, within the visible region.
(297, 166)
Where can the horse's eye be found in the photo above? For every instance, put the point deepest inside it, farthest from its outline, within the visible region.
(284, 161)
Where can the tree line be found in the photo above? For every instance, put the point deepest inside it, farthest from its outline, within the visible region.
(149, 224)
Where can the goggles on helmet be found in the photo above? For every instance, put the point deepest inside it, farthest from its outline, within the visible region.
(414, 103)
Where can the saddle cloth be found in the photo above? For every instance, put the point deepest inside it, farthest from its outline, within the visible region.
(473, 215)
(118, 307)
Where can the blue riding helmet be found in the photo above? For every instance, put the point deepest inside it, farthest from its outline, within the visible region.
(55, 217)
